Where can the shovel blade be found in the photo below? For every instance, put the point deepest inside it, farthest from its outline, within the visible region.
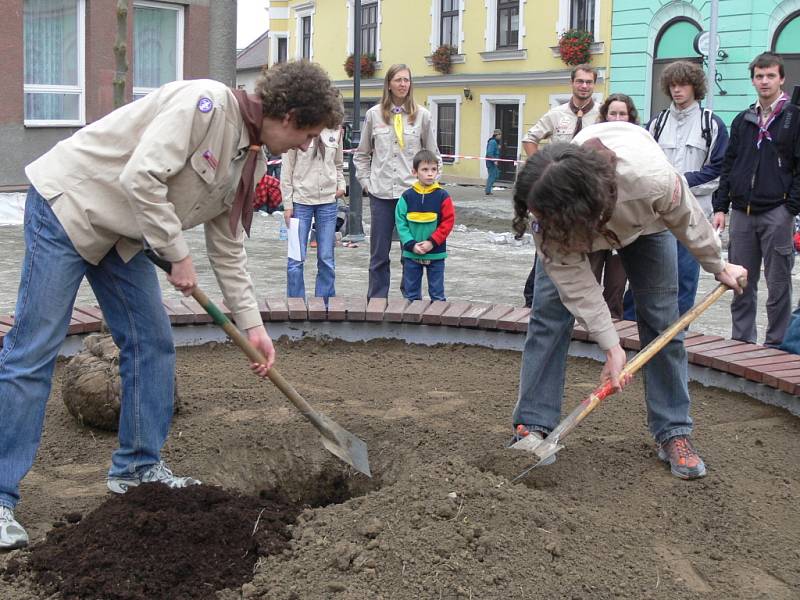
(343, 444)
(543, 449)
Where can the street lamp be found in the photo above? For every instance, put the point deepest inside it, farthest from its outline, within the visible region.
(355, 227)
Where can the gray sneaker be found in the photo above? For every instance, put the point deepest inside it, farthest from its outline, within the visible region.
(12, 534)
(157, 473)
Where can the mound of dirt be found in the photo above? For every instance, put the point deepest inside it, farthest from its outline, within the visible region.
(156, 542)
(441, 517)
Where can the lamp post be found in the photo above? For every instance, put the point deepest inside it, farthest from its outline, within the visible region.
(355, 227)
(712, 52)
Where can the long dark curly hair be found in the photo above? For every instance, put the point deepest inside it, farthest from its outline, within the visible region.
(571, 191)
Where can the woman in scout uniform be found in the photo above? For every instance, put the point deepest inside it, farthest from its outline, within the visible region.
(394, 131)
(311, 182)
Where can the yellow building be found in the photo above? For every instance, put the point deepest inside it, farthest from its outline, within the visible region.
(506, 73)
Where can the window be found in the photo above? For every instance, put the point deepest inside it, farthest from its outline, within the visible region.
(581, 15)
(507, 23)
(282, 53)
(446, 129)
(53, 40)
(449, 23)
(306, 38)
(157, 46)
(369, 29)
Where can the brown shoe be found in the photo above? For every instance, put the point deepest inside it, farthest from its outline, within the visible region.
(682, 457)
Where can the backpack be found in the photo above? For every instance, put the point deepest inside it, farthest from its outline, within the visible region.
(705, 119)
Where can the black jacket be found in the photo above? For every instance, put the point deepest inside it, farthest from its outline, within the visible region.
(756, 180)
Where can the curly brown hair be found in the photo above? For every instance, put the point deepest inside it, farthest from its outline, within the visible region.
(683, 72)
(302, 89)
(633, 114)
(572, 191)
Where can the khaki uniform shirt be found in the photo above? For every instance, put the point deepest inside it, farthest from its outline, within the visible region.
(309, 178)
(559, 124)
(147, 171)
(645, 205)
(382, 166)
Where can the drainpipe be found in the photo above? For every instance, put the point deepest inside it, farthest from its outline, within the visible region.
(712, 53)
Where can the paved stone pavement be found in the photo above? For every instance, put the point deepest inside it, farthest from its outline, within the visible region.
(478, 267)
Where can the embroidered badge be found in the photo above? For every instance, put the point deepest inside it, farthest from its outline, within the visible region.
(205, 105)
(535, 226)
(211, 159)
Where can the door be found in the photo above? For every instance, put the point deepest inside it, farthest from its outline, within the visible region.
(507, 121)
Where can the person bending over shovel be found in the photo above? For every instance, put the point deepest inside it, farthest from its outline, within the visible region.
(611, 187)
(185, 154)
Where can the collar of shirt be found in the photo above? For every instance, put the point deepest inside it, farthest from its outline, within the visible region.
(764, 113)
(425, 189)
(681, 113)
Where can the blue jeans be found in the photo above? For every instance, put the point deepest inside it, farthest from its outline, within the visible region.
(493, 173)
(130, 298)
(688, 276)
(412, 279)
(325, 217)
(650, 263)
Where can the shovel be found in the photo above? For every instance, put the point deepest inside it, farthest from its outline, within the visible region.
(337, 440)
(547, 447)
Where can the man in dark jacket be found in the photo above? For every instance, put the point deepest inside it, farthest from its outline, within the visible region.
(761, 183)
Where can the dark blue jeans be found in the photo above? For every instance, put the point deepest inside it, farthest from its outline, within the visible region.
(688, 276)
(412, 279)
(380, 245)
(130, 298)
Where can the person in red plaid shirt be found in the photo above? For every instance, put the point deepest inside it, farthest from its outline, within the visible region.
(268, 194)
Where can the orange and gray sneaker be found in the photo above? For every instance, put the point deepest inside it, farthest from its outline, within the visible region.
(523, 431)
(682, 457)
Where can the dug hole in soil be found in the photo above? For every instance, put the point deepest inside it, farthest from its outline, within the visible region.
(281, 518)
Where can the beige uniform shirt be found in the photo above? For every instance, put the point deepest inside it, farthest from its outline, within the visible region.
(382, 166)
(645, 205)
(148, 171)
(309, 178)
(558, 124)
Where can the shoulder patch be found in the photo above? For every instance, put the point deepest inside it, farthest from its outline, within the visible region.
(205, 105)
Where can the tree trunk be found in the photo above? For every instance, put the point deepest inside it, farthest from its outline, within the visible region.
(120, 53)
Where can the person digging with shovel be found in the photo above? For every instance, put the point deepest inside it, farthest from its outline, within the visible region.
(611, 187)
(188, 153)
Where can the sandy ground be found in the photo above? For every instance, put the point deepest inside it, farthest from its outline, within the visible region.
(441, 518)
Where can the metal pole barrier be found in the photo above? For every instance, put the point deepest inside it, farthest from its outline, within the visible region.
(355, 226)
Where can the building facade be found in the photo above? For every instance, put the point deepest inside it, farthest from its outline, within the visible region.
(59, 64)
(646, 36)
(506, 71)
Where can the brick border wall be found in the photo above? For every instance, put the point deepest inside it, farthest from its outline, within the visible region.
(752, 362)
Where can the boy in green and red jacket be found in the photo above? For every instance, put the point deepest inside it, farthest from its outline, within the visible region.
(424, 217)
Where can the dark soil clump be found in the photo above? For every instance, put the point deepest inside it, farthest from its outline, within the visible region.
(156, 542)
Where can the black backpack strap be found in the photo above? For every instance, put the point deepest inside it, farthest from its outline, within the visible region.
(706, 127)
(661, 120)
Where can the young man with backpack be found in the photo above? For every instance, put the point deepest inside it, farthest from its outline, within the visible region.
(694, 140)
(760, 181)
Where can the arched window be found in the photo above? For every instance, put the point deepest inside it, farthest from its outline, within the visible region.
(787, 43)
(674, 42)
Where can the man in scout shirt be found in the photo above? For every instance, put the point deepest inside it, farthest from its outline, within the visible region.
(188, 153)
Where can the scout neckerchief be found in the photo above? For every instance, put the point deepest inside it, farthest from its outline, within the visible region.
(579, 112)
(397, 111)
(253, 117)
(763, 128)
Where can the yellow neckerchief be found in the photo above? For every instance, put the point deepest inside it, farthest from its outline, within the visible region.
(425, 189)
(398, 124)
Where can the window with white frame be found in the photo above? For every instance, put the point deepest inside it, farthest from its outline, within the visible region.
(507, 24)
(448, 23)
(157, 46)
(53, 41)
(446, 116)
(579, 14)
(369, 29)
(304, 15)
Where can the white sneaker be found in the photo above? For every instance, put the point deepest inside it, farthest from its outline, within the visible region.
(157, 473)
(12, 534)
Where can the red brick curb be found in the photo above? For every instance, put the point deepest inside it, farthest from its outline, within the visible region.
(768, 366)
